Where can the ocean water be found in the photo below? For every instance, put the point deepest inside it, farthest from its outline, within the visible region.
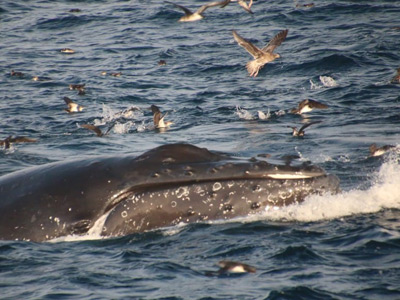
(342, 53)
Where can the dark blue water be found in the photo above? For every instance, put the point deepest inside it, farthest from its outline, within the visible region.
(331, 247)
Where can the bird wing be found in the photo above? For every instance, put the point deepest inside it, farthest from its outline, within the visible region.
(246, 7)
(22, 139)
(186, 10)
(156, 118)
(276, 41)
(253, 50)
(154, 108)
(67, 100)
(96, 129)
(308, 124)
(316, 104)
(109, 129)
(212, 4)
(225, 3)
(156, 114)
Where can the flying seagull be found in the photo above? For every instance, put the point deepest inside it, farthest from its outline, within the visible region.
(242, 3)
(301, 131)
(158, 118)
(198, 14)
(261, 56)
(308, 105)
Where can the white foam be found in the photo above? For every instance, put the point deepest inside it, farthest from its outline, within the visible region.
(384, 193)
(94, 233)
(243, 113)
(328, 81)
(123, 127)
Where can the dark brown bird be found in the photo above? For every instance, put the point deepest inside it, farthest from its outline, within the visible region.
(374, 150)
(158, 118)
(72, 106)
(198, 14)
(116, 74)
(17, 74)
(301, 131)
(261, 56)
(308, 105)
(77, 86)
(6, 143)
(396, 79)
(227, 266)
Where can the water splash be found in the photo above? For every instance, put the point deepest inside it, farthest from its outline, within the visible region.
(384, 193)
(263, 116)
(328, 81)
(243, 113)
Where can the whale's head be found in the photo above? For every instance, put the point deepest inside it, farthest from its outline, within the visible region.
(182, 183)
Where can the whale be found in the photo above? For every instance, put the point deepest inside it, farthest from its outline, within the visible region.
(166, 186)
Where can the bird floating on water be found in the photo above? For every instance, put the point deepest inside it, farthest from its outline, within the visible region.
(72, 106)
(301, 131)
(17, 74)
(227, 266)
(6, 143)
(261, 56)
(374, 150)
(158, 118)
(396, 78)
(308, 105)
(79, 87)
(198, 14)
(67, 50)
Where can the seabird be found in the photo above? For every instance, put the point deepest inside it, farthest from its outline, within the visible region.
(76, 86)
(67, 50)
(75, 10)
(18, 74)
(79, 87)
(308, 105)
(301, 132)
(308, 5)
(18, 139)
(378, 151)
(158, 119)
(261, 56)
(96, 129)
(72, 106)
(242, 3)
(227, 266)
(162, 63)
(116, 74)
(396, 79)
(37, 78)
(198, 14)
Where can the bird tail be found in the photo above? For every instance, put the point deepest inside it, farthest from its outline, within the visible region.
(253, 67)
